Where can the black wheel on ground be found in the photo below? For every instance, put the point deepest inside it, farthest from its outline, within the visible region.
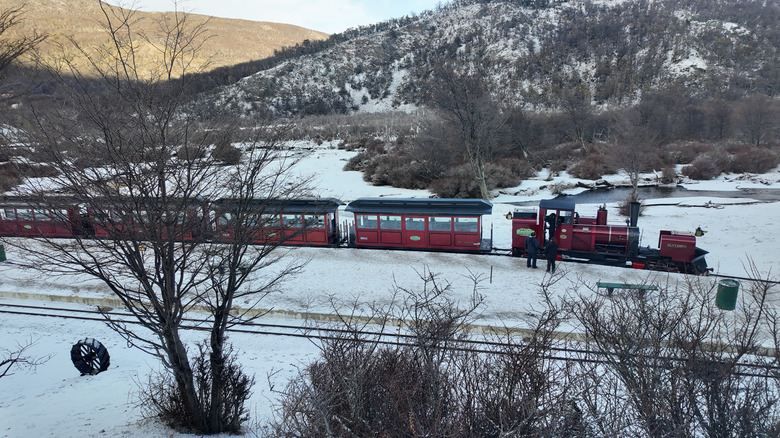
(89, 356)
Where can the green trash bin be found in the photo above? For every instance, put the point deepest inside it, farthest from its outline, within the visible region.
(726, 298)
(2, 253)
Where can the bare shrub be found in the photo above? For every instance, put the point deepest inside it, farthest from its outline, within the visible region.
(360, 388)
(671, 365)
(226, 153)
(36, 170)
(500, 176)
(668, 175)
(661, 363)
(754, 160)
(593, 166)
(359, 161)
(433, 384)
(409, 175)
(734, 147)
(161, 397)
(686, 152)
(707, 166)
(368, 144)
(520, 168)
(458, 183)
(392, 170)
(192, 152)
(9, 177)
(550, 154)
(558, 165)
(624, 206)
(515, 389)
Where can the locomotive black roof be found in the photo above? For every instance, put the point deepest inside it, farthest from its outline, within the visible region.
(556, 204)
(465, 207)
(299, 205)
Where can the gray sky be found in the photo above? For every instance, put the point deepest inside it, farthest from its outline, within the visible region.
(324, 15)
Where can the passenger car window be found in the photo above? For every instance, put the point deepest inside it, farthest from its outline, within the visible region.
(390, 222)
(415, 223)
(469, 224)
(440, 224)
(24, 214)
(269, 220)
(366, 221)
(224, 219)
(314, 221)
(42, 215)
(291, 220)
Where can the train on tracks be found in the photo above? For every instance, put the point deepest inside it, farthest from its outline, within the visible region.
(424, 224)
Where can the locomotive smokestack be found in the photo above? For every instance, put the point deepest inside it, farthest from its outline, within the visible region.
(634, 213)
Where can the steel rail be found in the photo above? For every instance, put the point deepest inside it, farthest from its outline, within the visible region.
(770, 371)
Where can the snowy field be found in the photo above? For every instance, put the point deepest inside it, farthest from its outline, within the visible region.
(54, 401)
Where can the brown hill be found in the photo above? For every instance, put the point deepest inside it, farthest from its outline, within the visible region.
(230, 41)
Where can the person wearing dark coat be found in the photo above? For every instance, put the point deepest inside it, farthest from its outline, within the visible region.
(551, 253)
(532, 248)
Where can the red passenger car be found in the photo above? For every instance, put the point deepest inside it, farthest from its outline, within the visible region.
(411, 223)
(306, 221)
(186, 220)
(20, 217)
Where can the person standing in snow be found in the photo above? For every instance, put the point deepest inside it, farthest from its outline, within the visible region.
(532, 249)
(551, 253)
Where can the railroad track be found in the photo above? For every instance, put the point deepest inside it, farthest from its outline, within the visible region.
(393, 339)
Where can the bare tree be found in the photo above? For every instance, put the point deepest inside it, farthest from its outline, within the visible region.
(13, 47)
(141, 167)
(18, 358)
(465, 103)
(719, 117)
(577, 113)
(757, 118)
(633, 148)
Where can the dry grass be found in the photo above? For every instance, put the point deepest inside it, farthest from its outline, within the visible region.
(231, 41)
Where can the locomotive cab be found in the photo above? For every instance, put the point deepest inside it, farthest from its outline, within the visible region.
(555, 218)
(558, 222)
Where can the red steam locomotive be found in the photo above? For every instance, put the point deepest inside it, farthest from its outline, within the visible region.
(592, 239)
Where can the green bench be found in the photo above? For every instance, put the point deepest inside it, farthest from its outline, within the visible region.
(610, 287)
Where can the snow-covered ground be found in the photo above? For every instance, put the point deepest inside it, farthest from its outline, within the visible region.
(55, 401)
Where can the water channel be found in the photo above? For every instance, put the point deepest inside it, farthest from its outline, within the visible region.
(617, 194)
(602, 195)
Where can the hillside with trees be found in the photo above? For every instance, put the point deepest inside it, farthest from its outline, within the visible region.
(484, 93)
(608, 53)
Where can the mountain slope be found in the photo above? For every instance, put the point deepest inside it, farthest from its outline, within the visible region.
(230, 41)
(612, 51)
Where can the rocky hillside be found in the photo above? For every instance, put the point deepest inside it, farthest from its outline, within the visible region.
(230, 42)
(612, 51)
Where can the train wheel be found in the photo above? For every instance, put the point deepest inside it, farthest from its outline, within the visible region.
(89, 356)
